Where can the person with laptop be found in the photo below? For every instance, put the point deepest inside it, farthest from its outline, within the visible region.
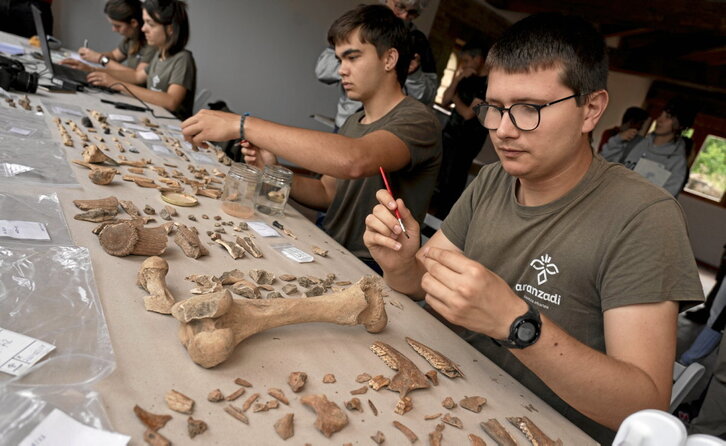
(171, 75)
(126, 18)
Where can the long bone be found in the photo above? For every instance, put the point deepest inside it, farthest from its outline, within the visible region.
(212, 325)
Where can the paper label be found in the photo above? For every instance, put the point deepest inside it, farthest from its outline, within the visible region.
(149, 136)
(123, 118)
(19, 352)
(27, 230)
(161, 150)
(58, 429)
(263, 229)
(652, 171)
(293, 253)
(59, 110)
(201, 157)
(135, 127)
(19, 131)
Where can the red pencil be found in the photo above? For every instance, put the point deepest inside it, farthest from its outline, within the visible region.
(388, 188)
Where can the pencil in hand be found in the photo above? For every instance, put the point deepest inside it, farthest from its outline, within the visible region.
(388, 188)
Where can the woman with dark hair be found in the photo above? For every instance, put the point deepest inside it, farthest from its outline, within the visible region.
(133, 53)
(170, 77)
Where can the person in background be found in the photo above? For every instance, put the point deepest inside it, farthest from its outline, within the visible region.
(421, 81)
(587, 323)
(393, 131)
(633, 118)
(327, 66)
(171, 75)
(661, 156)
(471, 63)
(16, 18)
(126, 18)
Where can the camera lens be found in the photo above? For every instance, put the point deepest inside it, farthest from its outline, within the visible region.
(26, 82)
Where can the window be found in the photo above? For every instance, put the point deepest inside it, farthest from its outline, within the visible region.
(708, 173)
(447, 77)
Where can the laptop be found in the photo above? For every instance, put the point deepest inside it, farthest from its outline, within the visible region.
(60, 72)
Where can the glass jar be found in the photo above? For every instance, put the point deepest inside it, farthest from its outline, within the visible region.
(273, 189)
(238, 192)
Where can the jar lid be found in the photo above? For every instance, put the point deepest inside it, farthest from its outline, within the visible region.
(242, 170)
(278, 172)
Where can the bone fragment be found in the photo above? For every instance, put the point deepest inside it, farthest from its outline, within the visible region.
(249, 401)
(452, 421)
(215, 396)
(448, 403)
(101, 203)
(249, 246)
(136, 170)
(209, 193)
(432, 417)
(206, 306)
(408, 378)
(234, 250)
(297, 381)
(354, 404)
(315, 290)
(373, 407)
(433, 376)
(329, 378)
(155, 439)
(92, 154)
(330, 418)
(189, 242)
(163, 213)
(307, 281)
(289, 289)
(130, 208)
(378, 438)
(412, 438)
(436, 359)
(152, 278)
(179, 402)
(362, 378)
(403, 405)
(262, 277)
(230, 277)
(287, 277)
(320, 251)
(473, 403)
(237, 413)
(359, 391)
(236, 394)
(195, 427)
(151, 420)
(279, 395)
(533, 433)
(102, 175)
(284, 426)
(494, 429)
(242, 382)
(205, 284)
(378, 382)
(475, 440)
(124, 238)
(97, 215)
(245, 289)
(148, 210)
(437, 435)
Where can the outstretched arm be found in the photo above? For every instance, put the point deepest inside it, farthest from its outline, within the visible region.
(170, 99)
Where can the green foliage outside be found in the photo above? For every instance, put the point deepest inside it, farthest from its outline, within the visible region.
(710, 165)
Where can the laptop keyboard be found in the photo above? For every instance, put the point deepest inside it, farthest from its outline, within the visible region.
(70, 73)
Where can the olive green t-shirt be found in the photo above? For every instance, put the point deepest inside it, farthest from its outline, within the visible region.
(414, 124)
(613, 240)
(176, 69)
(144, 54)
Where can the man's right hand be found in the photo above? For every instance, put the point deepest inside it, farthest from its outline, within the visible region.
(211, 125)
(257, 157)
(629, 134)
(383, 236)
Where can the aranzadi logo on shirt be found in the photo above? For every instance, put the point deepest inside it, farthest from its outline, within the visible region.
(155, 82)
(545, 268)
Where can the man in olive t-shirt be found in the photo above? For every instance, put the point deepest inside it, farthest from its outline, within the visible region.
(574, 266)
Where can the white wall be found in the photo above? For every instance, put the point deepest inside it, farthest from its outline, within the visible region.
(258, 56)
(625, 90)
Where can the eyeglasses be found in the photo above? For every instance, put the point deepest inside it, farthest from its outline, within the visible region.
(525, 117)
(401, 8)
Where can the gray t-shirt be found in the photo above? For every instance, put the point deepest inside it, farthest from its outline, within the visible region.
(613, 240)
(176, 69)
(144, 54)
(415, 125)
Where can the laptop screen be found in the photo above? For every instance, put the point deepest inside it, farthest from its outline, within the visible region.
(43, 39)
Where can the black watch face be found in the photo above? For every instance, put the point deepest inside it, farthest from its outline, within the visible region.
(526, 332)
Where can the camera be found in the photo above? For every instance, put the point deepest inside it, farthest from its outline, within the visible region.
(13, 76)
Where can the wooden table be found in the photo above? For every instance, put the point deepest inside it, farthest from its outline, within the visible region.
(150, 360)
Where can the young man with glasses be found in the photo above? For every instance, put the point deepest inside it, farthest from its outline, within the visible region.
(574, 266)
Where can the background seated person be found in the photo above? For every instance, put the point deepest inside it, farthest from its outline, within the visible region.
(633, 118)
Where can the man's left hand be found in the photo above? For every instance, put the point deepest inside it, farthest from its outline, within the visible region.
(211, 125)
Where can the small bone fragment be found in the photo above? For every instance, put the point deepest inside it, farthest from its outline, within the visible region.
(215, 396)
(230, 277)
(136, 170)
(475, 440)
(101, 203)
(354, 404)
(249, 246)
(143, 182)
(202, 307)
(437, 436)
(307, 281)
(245, 289)
(102, 175)
(262, 277)
(179, 402)
(533, 433)
(436, 359)
(249, 401)
(234, 250)
(155, 439)
(494, 429)
(163, 213)
(217, 217)
(284, 426)
(289, 233)
(373, 407)
(92, 154)
(151, 420)
(206, 284)
(195, 427)
(140, 163)
(259, 407)
(237, 413)
(236, 394)
(448, 403)
(297, 381)
(172, 212)
(189, 242)
(362, 378)
(242, 382)
(377, 382)
(330, 418)
(192, 217)
(408, 378)
(124, 238)
(452, 421)
(320, 251)
(473, 403)
(148, 210)
(433, 376)
(412, 438)
(403, 405)
(432, 417)
(342, 283)
(289, 289)
(130, 208)
(279, 395)
(359, 391)
(152, 278)
(266, 287)
(209, 193)
(97, 215)
(287, 277)
(97, 230)
(314, 291)
(329, 378)
(379, 438)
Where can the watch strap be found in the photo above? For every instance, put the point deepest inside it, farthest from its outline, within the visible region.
(514, 341)
(242, 125)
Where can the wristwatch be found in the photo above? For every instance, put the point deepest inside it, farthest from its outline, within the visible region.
(524, 331)
(104, 60)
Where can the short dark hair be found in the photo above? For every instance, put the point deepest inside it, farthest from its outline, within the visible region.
(174, 13)
(683, 110)
(635, 115)
(474, 49)
(551, 40)
(125, 11)
(380, 27)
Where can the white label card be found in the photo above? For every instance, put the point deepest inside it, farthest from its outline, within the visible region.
(19, 352)
(201, 158)
(59, 110)
(149, 136)
(135, 127)
(293, 253)
(19, 131)
(161, 150)
(122, 118)
(58, 429)
(27, 230)
(652, 171)
(263, 229)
